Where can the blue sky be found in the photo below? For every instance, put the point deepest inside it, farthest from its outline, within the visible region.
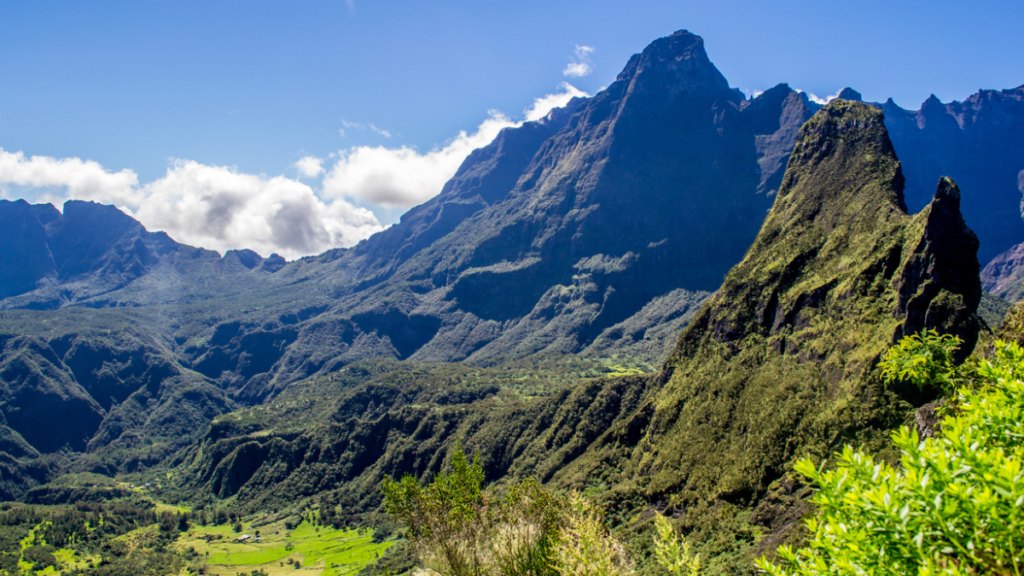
(182, 101)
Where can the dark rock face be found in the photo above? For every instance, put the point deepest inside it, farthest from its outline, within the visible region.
(25, 260)
(940, 288)
(976, 142)
(90, 248)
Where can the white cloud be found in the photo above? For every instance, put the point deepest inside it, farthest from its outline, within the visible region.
(581, 64)
(404, 177)
(310, 166)
(82, 179)
(214, 207)
(543, 106)
(818, 99)
(220, 208)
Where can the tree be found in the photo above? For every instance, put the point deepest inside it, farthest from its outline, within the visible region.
(444, 519)
(954, 505)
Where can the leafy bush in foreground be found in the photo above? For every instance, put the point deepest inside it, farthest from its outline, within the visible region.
(954, 505)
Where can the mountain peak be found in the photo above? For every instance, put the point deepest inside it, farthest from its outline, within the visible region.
(851, 137)
(850, 94)
(678, 63)
(933, 105)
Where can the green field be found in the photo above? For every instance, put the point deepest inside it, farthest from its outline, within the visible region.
(318, 549)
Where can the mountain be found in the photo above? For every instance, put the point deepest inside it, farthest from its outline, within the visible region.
(779, 364)
(782, 362)
(514, 257)
(599, 230)
(86, 253)
(682, 166)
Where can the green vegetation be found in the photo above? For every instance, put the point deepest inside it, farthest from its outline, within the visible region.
(993, 309)
(337, 436)
(277, 549)
(125, 537)
(459, 529)
(136, 537)
(926, 360)
(585, 547)
(672, 552)
(953, 505)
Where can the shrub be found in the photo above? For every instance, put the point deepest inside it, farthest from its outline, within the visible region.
(585, 547)
(954, 505)
(672, 552)
(458, 529)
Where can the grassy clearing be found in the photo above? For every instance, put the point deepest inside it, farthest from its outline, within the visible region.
(620, 370)
(317, 549)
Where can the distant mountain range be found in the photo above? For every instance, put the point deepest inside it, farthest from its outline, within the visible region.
(598, 230)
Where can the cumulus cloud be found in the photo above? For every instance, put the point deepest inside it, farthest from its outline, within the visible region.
(221, 208)
(310, 166)
(215, 207)
(580, 64)
(404, 177)
(83, 179)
